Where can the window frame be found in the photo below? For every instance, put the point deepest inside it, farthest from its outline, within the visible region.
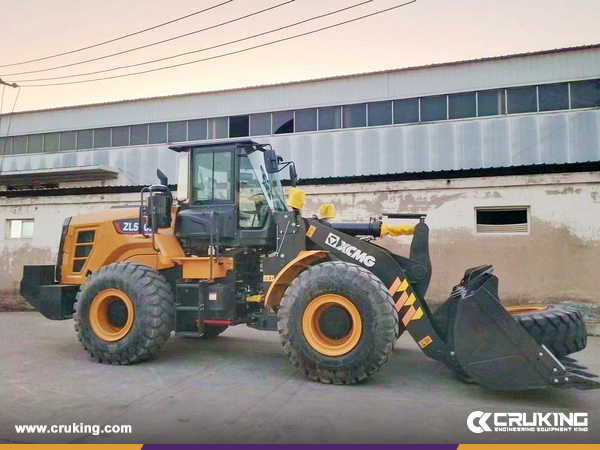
(264, 220)
(139, 126)
(47, 140)
(336, 115)
(521, 89)
(25, 147)
(6, 146)
(371, 106)
(95, 144)
(307, 111)
(395, 108)
(121, 128)
(87, 133)
(571, 83)
(157, 126)
(455, 96)
(245, 126)
(232, 194)
(263, 116)
(172, 130)
(8, 226)
(194, 129)
(549, 85)
(477, 231)
(275, 129)
(213, 124)
(433, 98)
(35, 137)
(352, 108)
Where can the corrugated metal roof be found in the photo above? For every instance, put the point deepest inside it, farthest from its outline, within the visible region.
(83, 190)
(336, 77)
(41, 177)
(531, 169)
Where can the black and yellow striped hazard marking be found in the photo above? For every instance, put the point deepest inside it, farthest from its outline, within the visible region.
(407, 298)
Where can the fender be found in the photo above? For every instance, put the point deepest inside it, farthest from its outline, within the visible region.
(289, 273)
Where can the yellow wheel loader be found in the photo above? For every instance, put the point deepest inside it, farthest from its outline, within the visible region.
(230, 250)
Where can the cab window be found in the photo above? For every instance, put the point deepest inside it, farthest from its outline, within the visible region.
(254, 207)
(212, 177)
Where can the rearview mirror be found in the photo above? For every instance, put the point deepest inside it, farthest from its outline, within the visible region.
(293, 175)
(271, 162)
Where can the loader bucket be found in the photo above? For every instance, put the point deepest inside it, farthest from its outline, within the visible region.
(495, 350)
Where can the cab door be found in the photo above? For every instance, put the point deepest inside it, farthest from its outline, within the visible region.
(212, 206)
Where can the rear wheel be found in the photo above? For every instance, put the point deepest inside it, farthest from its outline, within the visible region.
(561, 329)
(337, 323)
(124, 313)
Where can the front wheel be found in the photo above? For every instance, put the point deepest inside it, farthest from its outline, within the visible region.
(124, 313)
(337, 323)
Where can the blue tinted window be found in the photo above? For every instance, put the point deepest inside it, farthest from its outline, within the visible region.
(380, 113)
(330, 118)
(434, 108)
(406, 111)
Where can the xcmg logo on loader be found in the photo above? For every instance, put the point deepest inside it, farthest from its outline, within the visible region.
(337, 243)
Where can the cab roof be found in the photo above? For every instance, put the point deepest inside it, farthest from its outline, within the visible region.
(188, 147)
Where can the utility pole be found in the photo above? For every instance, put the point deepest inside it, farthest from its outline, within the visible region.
(4, 83)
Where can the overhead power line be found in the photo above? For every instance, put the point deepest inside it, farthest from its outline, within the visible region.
(150, 45)
(264, 33)
(4, 84)
(118, 38)
(230, 53)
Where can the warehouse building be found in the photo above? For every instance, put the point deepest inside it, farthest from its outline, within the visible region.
(502, 153)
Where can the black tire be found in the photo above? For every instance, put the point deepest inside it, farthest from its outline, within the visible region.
(561, 329)
(378, 316)
(212, 331)
(153, 306)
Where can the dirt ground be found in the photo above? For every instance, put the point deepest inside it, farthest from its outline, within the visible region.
(240, 388)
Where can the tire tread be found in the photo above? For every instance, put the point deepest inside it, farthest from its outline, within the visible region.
(384, 307)
(156, 316)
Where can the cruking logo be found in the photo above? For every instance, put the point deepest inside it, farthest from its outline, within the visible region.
(337, 243)
(479, 422)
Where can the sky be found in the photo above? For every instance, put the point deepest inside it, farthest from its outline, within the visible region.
(423, 32)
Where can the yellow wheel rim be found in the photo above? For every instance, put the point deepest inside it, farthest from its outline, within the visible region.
(313, 333)
(523, 309)
(102, 312)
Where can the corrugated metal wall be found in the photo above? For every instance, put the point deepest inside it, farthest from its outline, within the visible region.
(564, 137)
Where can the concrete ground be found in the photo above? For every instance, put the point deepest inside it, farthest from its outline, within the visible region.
(240, 388)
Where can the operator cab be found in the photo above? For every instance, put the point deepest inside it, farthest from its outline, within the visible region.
(228, 192)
